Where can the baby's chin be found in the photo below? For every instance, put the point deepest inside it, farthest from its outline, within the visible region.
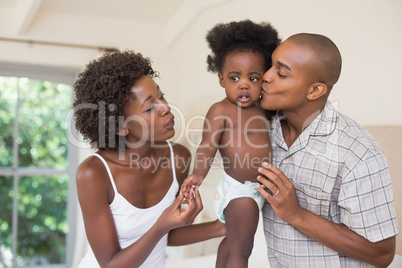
(250, 103)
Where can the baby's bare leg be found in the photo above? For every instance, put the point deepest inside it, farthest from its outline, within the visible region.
(241, 217)
(223, 254)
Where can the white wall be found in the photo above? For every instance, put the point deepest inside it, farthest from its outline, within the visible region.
(367, 32)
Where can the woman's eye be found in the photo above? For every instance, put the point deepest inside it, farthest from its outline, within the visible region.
(150, 108)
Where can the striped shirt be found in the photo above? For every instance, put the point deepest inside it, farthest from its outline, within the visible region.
(340, 173)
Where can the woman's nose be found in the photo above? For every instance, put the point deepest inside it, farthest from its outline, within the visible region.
(164, 109)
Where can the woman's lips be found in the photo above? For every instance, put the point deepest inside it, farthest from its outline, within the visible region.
(170, 124)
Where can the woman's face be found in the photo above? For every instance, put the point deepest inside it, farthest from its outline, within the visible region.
(147, 116)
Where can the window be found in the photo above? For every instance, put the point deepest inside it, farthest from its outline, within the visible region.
(36, 171)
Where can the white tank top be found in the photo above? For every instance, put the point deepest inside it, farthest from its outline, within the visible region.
(132, 222)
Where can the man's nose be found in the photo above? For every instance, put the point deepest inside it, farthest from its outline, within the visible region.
(267, 77)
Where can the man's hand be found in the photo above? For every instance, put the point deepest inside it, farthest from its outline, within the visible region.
(283, 199)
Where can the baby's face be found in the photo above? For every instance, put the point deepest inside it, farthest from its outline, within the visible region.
(241, 77)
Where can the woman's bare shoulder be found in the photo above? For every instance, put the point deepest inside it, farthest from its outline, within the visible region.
(90, 170)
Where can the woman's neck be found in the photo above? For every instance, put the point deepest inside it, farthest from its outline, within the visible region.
(138, 154)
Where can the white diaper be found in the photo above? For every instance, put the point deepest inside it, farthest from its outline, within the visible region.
(229, 189)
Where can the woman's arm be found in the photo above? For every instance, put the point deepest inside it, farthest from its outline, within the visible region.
(196, 233)
(93, 186)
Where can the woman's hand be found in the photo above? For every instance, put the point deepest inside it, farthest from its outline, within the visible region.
(174, 217)
(192, 182)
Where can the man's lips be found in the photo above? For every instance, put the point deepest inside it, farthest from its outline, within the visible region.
(263, 91)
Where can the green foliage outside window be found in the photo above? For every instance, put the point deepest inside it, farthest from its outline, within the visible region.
(40, 108)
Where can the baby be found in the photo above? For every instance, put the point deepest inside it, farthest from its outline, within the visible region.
(238, 128)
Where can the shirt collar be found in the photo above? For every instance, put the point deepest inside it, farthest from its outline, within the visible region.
(324, 124)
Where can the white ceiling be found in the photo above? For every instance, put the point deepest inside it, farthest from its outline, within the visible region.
(149, 11)
(55, 21)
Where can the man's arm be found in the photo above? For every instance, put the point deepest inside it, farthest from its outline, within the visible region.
(335, 236)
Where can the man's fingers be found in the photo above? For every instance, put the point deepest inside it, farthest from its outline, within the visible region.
(273, 175)
(279, 173)
(264, 193)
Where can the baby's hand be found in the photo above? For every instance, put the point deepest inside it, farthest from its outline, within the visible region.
(192, 181)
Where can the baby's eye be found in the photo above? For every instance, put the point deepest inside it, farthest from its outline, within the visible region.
(234, 78)
(253, 79)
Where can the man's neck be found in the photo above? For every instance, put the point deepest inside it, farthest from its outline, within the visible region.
(296, 122)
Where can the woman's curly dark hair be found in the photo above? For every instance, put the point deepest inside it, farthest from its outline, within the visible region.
(245, 36)
(101, 92)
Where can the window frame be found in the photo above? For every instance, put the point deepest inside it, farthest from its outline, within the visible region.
(58, 75)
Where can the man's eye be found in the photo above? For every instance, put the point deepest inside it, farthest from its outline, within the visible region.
(162, 96)
(281, 75)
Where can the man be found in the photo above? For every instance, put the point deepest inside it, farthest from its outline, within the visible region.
(332, 201)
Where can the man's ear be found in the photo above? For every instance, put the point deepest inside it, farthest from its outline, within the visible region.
(123, 131)
(221, 82)
(316, 91)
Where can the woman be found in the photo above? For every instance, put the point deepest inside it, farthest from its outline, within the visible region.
(128, 189)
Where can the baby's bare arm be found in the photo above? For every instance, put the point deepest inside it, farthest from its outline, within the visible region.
(214, 125)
